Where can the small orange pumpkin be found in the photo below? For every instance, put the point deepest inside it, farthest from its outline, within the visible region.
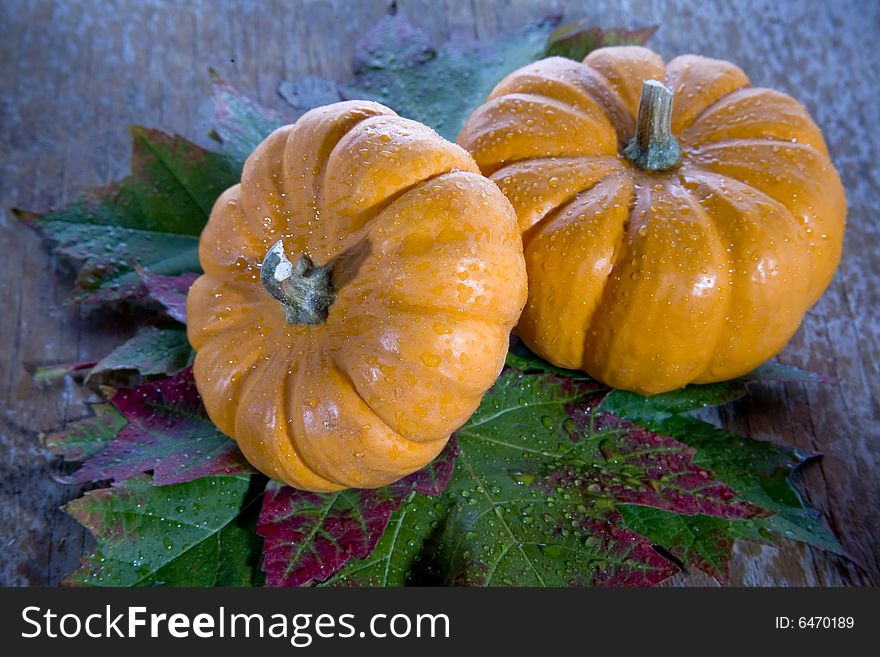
(677, 222)
(360, 286)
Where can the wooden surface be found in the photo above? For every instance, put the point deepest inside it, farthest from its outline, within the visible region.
(75, 74)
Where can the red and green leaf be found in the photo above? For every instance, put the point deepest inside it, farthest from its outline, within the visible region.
(535, 493)
(169, 433)
(310, 536)
(240, 124)
(759, 472)
(630, 510)
(394, 560)
(89, 436)
(169, 292)
(578, 39)
(152, 218)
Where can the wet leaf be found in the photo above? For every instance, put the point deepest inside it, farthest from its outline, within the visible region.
(548, 515)
(395, 561)
(759, 472)
(310, 536)
(396, 65)
(167, 432)
(552, 488)
(151, 351)
(169, 292)
(199, 533)
(534, 497)
(152, 217)
(578, 39)
(88, 436)
(240, 123)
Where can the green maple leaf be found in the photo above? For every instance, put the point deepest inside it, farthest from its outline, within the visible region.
(88, 436)
(199, 533)
(396, 65)
(533, 500)
(152, 218)
(149, 352)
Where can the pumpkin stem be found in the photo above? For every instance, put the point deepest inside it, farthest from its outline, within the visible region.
(654, 147)
(305, 291)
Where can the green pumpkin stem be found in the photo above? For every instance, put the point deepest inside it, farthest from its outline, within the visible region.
(304, 290)
(654, 147)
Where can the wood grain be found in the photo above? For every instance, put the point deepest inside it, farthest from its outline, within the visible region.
(75, 74)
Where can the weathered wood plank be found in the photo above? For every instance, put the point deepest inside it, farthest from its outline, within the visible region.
(75, 74)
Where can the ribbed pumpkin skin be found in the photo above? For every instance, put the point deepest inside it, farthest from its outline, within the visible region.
(429, 278)
(652, 280)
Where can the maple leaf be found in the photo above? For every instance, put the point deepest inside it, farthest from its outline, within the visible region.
(240, 124)
(152, 217)
(555, 486)
(151, 351)
(310, 536)
(534, 497)
(408, 536)
(198, 533)
(169, 291)
(396, 65)
(167, 432)
(140, 234)
(87, 436)
(578, 39)
(760, 473)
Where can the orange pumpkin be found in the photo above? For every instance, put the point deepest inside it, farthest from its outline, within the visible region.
(360, 286)
(677, 223)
